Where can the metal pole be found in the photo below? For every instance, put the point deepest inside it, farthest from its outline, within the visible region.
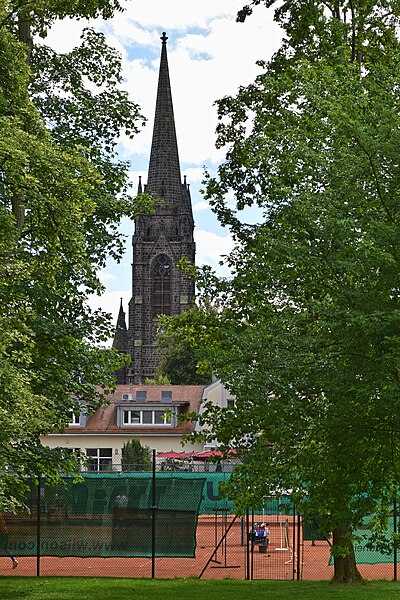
(299, 547)
(38, 519)
(252, 546)
(395, 540)
(294, 541)
(218, 546)
(153, 518)
(247, 545)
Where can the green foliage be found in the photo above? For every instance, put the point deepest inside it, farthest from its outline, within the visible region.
(184, 338)
(158, 380)
(62, 195)
(178, 364)
(135, 457)
(308, 334)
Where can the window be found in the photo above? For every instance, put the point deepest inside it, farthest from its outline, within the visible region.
(166, 396)
(230, 403)
(162, 286)
(100, 459)
(74, 419)
(131, 417)
(159, 417)
(146, 417)
(141, 395)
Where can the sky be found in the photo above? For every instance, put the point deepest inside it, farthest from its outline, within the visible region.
(209, 56)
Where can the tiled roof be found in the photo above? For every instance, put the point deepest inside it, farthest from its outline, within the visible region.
(104, 420)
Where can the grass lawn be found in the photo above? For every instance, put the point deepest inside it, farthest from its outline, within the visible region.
(103, 588)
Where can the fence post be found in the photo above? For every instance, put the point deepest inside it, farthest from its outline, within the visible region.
(294, 564)
(153, 518)
(299, 547)
(252, 547)
(38, 519)
(247, 545)
(395, 540)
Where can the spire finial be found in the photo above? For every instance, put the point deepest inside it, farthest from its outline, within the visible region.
(164, 38)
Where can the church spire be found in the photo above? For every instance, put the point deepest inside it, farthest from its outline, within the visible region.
(121, 324)
(164, 175)
(161, 240)
(120, 342)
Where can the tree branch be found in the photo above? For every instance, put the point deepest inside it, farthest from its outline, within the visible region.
(376, 179)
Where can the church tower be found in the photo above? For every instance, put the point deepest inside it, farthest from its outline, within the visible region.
(159, 242)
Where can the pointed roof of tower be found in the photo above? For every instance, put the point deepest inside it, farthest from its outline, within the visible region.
(164, 176)
(121, 334)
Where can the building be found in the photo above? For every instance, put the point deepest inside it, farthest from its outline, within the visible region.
(216, 394)
(149, 413)
(159, 242)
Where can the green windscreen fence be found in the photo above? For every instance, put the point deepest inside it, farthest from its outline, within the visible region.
(108, 515)
(368, 552)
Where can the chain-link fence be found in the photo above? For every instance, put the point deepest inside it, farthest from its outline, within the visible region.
(172, 524)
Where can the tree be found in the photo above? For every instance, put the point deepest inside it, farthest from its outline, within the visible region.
(179, 362)
(306, 336)
(62, 194)
(135, 457)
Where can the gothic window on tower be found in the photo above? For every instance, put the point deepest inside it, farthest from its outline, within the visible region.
(162, 286)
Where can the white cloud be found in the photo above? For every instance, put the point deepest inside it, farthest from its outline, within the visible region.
(194, 174)
(179, 14)
(231, 49)
(201, 206)
(210, 56)
(106, 277)
(210, 248)
(134, 177)
(110, 302)
(64, 35)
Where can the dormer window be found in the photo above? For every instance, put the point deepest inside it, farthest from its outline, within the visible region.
(74, 419)
(77, 419)
(146, 417)
(132, 417)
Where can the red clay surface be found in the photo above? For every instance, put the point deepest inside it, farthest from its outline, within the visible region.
(230, 560)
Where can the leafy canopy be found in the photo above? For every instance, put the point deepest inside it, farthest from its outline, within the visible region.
(62, 194)
(306, 336)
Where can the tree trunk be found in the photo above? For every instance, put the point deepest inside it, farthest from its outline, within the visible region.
(24, 36)
(345, 567)
(24, 33)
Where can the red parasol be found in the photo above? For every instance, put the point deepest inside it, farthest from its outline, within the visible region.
(175, 455)
(213, 454)
(170, 454)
